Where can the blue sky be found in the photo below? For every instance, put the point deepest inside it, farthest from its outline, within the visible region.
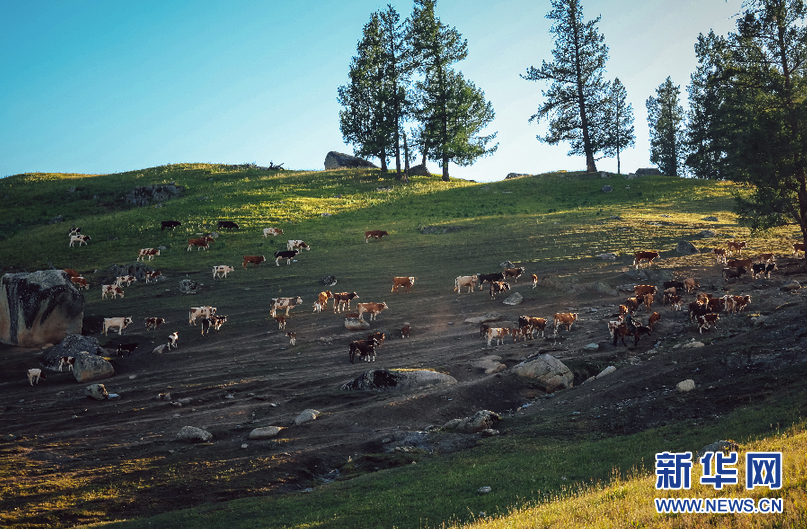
(110, 86)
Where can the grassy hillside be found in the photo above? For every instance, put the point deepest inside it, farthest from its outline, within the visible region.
(553, 224)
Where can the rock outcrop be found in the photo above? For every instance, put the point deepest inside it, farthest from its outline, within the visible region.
(192, 434)
(96, 391)
(337, 160)
(38, 308)
(72, 345)
(481, 420)
(547, 372)
(90, 367)
(392, 380)
(143, 196)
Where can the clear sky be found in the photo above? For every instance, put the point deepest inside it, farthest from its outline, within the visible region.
(109, 86)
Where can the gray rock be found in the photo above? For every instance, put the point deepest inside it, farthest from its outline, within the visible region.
(188, 286)
(610, 256)
(607, 189)
(336, 160)
(710, 219)
(510, 176)
(593, 347)
(486, 317)
(546, 371)
(419, 170)
(484, 490)
(306, 416)
(514, 299)
(707, 234)
(264, 433)
(191, 434)
(718, 446)
(393, 380)
(685, 385)
(507, 264)
(72, 345)
(489, 364)
(648, 171)
(91, 367)
(355, 324)
(605, 288)
(143, 196)
(481, 420)
(686, 248)
(790, 285)
(328, 281)
(96, 391)
(38, 308)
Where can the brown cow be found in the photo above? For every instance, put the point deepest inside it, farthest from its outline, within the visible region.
(736, 246)
(641, 290)
(201, 243)
(798, 247)
(147, 252)
(374, 234)
(255, 260)
(648, 301)
(80, 282)
(653, 319)
(323, 298)
(644, 256)
(691, 284)
(71, 273)
(706, 320)
(154, 323)
(720, 255)
(372, 308)
(343, 299)
(515, 273)
(398, 282)
(498, 334)
(737, 263)
(497, 287)
(564, 318)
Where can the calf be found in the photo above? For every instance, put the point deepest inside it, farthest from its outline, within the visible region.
(152, 276)
(736, 246)
(80, 239)
(296, 244)
(707, 320)
(318, 306)
(288, 255)
(34, 374)
(147, 252)
(379, 338)
(281, 322)
(653, 319)
(173, 340)
(497, 287)
(720, 255)
(255, 260)
(274, 232)
(498, 334)
(534, 280)
(405, 331)
(67, 361)
(112, 290)
(154, 323)
(406, 282)
(465, 281)
(119, 323)
(640, 257)
(564, 318)
(170, 224)
(343, 299)
(127, 348)
(292, 336)
(676, 302)
(515, 273)
(80, 282)
(364, 348)
(323, 298)
(371, 308)
(221, 271)
(374, 234)
(228, 225)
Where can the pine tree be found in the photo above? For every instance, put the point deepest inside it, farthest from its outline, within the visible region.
(665, 116)
(618, 122)
(577, 94)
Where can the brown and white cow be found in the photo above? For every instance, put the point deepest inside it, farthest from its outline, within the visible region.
(631, 304)
(67, 361)
(80, 282)
(406, 282)
(173, 340)
(128, 280)
(71, 273)
(200, 312)
(153, 322)
(119, 323)
(254, 260)
(720, 255)
(343, 299)
(705, 321)
(405, 330)
(515, 273)
(202, 243)
(798, 247)
(534, 324)
(374, 234)
(564, 318)
(281, 322)
(373, 309)
(736, 246)
(152, 276)
(213, 322)
(641, 290)
(80, 239)
(534, 280)
(497, 287)
(465, 281)
(639, 257)
(112, 290)
(296, 244)
(284, 303)
(147, 252)
(292, 336)
(274, 232)
(323, 298)
(741, 302)
(221, 271)
(498, 334)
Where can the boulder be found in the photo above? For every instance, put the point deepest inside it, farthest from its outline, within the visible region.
(188, 286)
(96, 391)
(686, 248)
(607, 189)
(38, 308)
(647, 171)
(306, 416)
(790, 285)
(546, 371)
(72, 345)
(707, 234)
(605, 288)
(489, 364)
(510, 176)
(710, 219)
(328, 281)
(192, 434)
(514, 299)
(481, 420)
(336, 160)
(355, 324)
(486, 317)
(393, 380)
(609, 256)
(685, 385)
(143, 196)
(91, 367)
(136, 269)
(264, 433)
(419, 170)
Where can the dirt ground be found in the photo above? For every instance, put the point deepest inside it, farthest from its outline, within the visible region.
(243, 379)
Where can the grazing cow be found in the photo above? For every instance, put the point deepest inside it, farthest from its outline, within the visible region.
(736, 246)
(221, 271)
(707, 320)
(648, 301)
(202, 243)
(720, 255)
(534, 280)
(612, 327)
(622, 331)
(112, 290)
(465, 281)
(405, 331)
(214, 322)
(80, 239)
(374, 234)
(371, 308)
(80, 282)
(534, 324)
(288, 255)
(147, 252)
(770, 267)
(34, 374)
(284, 303)
(498, 334)
(364, 348)
(228, 225)
(255, 260)
(653, 319)
(281, 322)
(489, 278)
(733, 273)
(296, 244)
(120, 323)
(67, 361)
(631, 304)
(564, 318)
(200, 312)
(173, 340)
(638, 257)
(170, 224)
(71, 273)
(324, 297)
(120, 280)
(497, 287)
(292, 336)
(669, 293)
(152, 276)
(73, 231)
(127, 348)
(691, 284)
(153, 322)
(641, 290)
(515, 273)
(343, 299)
(274, 232)
(798, 247)
(406, 282)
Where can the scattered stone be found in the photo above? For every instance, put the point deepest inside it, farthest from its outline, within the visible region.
(609, 256)
(686, 248)
(546, 371)
(725, 446)
(193, 434)
(481, 420)
(707, 234)
(489, 364)
(691, 345)
(338, 160)
(648, 171)
(488, 316)
(514, 299)
(355, 324)
(758, 320)
(265, 433)
(188, 286)
(245, 445)
(96, 391)
(685, 385)
(328, 281)
(394, 380)
(306, 416)
(710, 219)
(507, 264)
(790, 286)
(607, 189)
(89, 367)
(605, 288)
(484, 490)
(143, 196)
(430, 230)
(593, 347)
(510, 176)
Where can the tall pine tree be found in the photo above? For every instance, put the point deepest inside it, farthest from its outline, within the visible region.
(617, 122)
(577, 94)
(665, 117)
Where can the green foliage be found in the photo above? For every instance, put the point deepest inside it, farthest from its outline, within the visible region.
(617, 122)
(665, 117)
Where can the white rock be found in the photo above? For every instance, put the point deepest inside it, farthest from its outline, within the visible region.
(685, 385)
(264, 433)
(305, 416)
(193, 434)
(484, 490)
